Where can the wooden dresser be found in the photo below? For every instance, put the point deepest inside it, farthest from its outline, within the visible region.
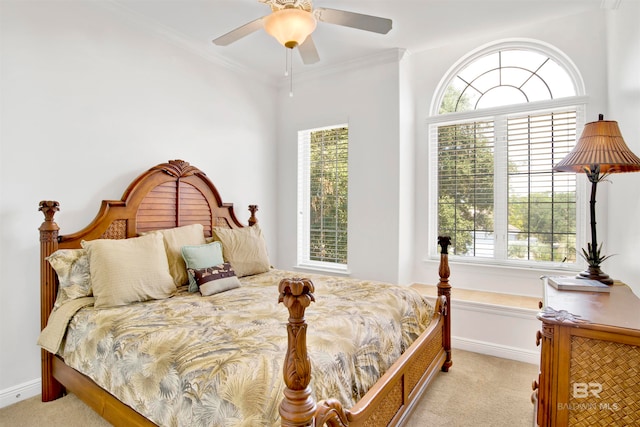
(590, 358)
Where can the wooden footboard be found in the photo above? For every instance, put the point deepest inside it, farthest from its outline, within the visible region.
(393, 397)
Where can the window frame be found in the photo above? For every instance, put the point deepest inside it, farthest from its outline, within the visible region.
(579, 102)
(303, 238)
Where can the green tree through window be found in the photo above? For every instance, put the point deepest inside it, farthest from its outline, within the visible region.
(323, 202)
(465, 183)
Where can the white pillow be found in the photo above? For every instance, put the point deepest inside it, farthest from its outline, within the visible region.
(129, 270)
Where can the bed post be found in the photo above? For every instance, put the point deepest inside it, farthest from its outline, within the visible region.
(51, 389)
(252, 219)
(298, 407)
(444, 289)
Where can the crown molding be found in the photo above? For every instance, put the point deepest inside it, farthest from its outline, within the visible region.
(387, 56)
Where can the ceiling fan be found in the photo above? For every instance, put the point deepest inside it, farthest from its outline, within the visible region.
(291, 22)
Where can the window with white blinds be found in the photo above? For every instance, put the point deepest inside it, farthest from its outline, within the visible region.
(466, 185)
(494, 143)
(541, 203)
(323, 177)
(498, 196)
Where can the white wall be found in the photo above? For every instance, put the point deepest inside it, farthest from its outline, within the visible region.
(90, 99)
(369, 103)
(623, 69)
(582, 39)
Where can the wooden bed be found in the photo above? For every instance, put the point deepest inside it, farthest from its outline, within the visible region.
(175, 194)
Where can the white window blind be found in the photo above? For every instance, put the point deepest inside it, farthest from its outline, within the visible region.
(323, 197)
(465, 186)
(497, 194)
(541, 203)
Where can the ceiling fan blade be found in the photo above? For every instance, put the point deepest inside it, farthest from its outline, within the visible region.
(240, 32)
(353, 20)
(308, 51)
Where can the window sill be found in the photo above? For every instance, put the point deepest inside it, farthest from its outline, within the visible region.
(323, 269)
(494, 278)
(543, 270)
(482, 297)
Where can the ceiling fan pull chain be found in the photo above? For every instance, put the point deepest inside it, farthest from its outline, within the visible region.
(290, 72)
(286, 61)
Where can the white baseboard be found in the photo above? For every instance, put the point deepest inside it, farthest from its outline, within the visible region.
(497, 350)
(15, 394)
(482, 320)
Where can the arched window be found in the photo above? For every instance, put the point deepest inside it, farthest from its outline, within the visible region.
(501, 119)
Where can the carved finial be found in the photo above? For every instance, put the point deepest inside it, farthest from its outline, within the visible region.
(48, 229)
(297, 295)
(49, 209)
(252, 219)
(178, 168)
(444, 242)
(443, 269)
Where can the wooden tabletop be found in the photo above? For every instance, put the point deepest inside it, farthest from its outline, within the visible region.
(619, 308)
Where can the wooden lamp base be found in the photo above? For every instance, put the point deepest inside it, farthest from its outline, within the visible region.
(594, 273)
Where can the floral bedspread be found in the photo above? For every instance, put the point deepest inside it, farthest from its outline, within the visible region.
(217, 361)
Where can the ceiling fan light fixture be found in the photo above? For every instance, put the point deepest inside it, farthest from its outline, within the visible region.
(290, 27)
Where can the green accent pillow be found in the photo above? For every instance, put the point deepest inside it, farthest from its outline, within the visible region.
(201, 256)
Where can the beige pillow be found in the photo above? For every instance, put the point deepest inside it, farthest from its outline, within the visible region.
(129, 270)
(174, 240)
(244, 248)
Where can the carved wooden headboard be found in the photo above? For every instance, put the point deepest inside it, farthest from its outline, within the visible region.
(168, 195)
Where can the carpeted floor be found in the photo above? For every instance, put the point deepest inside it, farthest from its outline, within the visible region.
(479, 390)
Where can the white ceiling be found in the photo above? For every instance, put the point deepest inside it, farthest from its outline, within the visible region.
(417, 25)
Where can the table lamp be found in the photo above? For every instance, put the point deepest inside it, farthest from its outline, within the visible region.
(600, 151)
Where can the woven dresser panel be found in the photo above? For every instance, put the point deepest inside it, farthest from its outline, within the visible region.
(605, 383)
